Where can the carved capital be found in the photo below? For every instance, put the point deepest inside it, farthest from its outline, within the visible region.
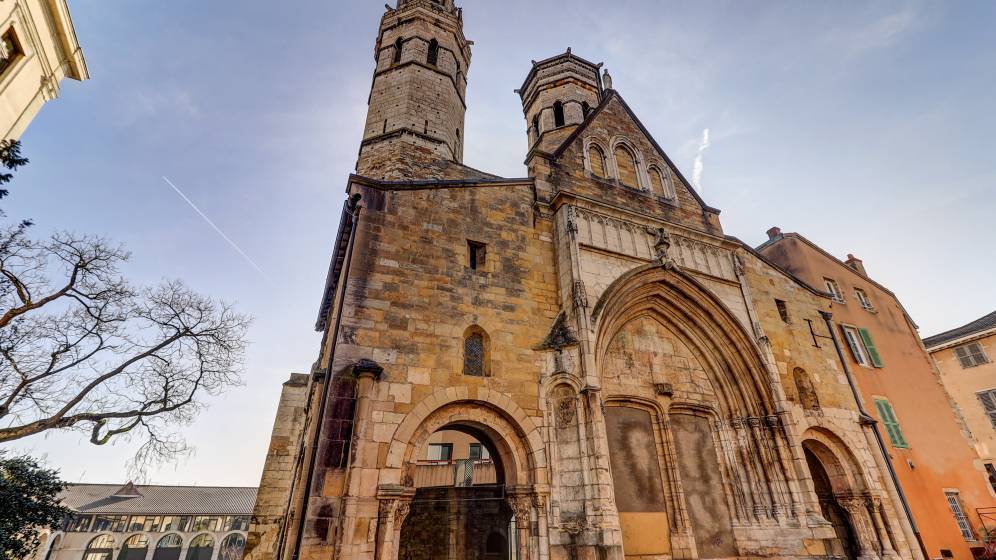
(521, 506)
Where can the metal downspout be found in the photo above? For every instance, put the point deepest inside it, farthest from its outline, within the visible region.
(868, 421)
(352, 209)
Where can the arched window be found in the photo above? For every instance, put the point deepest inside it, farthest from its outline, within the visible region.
(135, 548)
(496, 547)
(201, 547)
(558, 114)
(626, 165)
(231, 547)
(585, 109)
(536, 126)
(100, 548)
(596, 160)
(656, 181)
(53, 547)
(168, 547)
(807, 391)
(476, 352)
(397, 50)
(669, 192)
(433, 57)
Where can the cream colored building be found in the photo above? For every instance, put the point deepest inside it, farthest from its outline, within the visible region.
(964, 357)
(39, 50)
(145, 522)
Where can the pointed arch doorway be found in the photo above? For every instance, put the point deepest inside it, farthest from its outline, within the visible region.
(847, 541)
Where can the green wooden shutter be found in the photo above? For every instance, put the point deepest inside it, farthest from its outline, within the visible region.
(988, 399)
(876, 360)
(891, 423)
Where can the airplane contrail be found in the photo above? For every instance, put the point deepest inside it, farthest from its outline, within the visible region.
(217, 229)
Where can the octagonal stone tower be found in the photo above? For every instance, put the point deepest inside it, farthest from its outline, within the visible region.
(417, 101)
(558, 94)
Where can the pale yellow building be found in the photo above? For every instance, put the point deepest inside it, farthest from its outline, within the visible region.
(964, 357)
(39, 49)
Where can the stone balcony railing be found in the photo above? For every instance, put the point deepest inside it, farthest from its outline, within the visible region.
(462, 473)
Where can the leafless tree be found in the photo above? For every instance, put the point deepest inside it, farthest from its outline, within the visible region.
(80, 348)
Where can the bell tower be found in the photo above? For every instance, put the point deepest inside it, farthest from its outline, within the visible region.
(418, 98)
(558, 94)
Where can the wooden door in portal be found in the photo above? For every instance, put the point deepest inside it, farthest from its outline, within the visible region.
(635, 449)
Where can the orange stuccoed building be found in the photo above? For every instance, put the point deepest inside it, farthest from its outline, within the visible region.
(926, 440)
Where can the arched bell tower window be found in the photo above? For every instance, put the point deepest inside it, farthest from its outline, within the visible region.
(536, 126)
(397, 50)
(626, 166)
(558, 114)
(596, 160)
(585, 109)
(476, 352)
(433, 57)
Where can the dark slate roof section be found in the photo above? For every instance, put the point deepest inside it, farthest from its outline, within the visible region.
(609, 94)
(981, 324)
(160, 500)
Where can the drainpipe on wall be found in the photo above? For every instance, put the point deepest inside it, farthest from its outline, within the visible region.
(351, 211)
(882, 460)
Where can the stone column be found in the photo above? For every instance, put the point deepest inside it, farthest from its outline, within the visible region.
(858, 513)
(888, 547)
(395, 504)
(540, 502)
(521, 505)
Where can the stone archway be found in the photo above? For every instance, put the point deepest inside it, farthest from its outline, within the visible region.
(456, 521)
(846, 498)
(662, 336)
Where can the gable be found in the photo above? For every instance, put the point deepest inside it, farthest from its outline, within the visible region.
(612, 157)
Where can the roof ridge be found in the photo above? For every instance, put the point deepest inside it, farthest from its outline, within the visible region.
(984, 323)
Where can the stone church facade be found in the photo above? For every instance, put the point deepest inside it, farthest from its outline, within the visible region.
(644, 385)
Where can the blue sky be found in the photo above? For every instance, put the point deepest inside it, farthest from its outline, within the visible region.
(866, 127)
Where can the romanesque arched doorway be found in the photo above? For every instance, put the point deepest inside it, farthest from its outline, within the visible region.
(459, 510)
(847, 543)
(472, 478)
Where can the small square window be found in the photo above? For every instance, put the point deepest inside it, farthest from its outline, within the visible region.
(834, 290)
(863, 299)
(478, 254)
(10, 50)
(971, 355)
(991, 475)
(440, 452)
(783, 311)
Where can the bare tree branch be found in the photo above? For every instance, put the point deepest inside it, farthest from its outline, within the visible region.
(81, 349)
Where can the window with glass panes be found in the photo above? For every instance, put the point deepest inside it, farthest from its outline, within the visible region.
(954, 502)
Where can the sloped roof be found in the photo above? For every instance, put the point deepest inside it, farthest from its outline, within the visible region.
(161, 500)
(981, 324)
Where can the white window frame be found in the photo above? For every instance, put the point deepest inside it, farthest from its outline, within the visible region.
(863, 299)
(439, 447)
(953, 497)
(834, 289)
(973, 355)
(857, 346)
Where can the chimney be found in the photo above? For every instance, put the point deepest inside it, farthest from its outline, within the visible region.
(856, 264)
(774, 233)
